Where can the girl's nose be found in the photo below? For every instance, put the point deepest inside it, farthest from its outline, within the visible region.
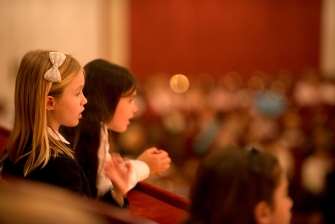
(135, 109)
(84, 101)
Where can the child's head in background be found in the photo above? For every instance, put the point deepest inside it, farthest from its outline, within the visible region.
(110, 90)
(239, 186)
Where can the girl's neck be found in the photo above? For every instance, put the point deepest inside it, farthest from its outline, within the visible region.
(53, 126)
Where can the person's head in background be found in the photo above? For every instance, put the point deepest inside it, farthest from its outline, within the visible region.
(240, 186)
(110, 90)
(45, 99)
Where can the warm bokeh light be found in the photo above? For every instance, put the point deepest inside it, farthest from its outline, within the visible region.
(232, 80)
(179, 83)
(262, 75)
(205, 82)
(285, 76)
(256, 85)
(278, 89)
(174, 122)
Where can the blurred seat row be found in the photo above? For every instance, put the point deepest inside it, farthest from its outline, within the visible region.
(24, 201)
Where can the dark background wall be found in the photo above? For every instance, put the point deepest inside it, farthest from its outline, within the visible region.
(218, 36)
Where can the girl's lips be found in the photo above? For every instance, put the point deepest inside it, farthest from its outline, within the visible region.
(80, 115)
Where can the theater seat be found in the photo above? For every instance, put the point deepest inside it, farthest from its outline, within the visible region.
(157, 204)
(24, 201)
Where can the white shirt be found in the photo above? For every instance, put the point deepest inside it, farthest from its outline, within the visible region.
(57, 135)
(140, 170)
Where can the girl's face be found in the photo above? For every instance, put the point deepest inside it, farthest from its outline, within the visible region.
(68, 108)
(125, 110)
(281, 214)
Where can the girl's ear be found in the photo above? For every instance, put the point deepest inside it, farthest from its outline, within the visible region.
(262, 213)
(50, 103)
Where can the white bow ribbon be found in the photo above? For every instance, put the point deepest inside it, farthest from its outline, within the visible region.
(57, 60)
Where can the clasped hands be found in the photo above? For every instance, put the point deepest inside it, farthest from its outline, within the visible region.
(118, 170)
(158, 160)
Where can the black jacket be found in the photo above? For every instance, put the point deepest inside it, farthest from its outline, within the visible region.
(62, 171)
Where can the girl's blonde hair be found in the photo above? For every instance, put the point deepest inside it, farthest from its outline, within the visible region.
(29, 137)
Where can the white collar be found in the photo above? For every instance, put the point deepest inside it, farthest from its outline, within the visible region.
(57, 135)
(105, 130)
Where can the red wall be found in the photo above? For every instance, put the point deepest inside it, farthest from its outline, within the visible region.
(217, 36)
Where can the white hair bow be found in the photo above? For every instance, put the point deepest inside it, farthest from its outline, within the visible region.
(57, 60)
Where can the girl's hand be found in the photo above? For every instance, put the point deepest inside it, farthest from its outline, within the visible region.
(118, 170)
(157, 160)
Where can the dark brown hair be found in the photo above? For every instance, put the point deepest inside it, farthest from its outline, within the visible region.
(229, 183)
(105, 84)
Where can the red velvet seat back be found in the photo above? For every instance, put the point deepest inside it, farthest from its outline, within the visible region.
(157, 204)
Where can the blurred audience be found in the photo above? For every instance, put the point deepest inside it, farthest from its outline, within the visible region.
(288, 115)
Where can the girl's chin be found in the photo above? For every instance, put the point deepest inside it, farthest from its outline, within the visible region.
(117, 128)
(74, 124)
(121, 130)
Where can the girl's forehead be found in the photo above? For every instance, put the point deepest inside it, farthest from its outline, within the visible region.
(129, 93)
(78, 81)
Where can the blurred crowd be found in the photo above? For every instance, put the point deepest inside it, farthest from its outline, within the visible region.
(289, 115)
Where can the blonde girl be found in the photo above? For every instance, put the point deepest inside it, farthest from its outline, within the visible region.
(48, 94)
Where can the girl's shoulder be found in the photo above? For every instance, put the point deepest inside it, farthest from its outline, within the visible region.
(63, 160)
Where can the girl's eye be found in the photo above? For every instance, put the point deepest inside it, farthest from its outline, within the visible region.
(131, 99)
(78, 94)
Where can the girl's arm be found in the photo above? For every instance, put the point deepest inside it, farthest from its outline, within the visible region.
(139, 172)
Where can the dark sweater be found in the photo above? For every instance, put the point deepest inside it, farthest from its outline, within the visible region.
(62, 171)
